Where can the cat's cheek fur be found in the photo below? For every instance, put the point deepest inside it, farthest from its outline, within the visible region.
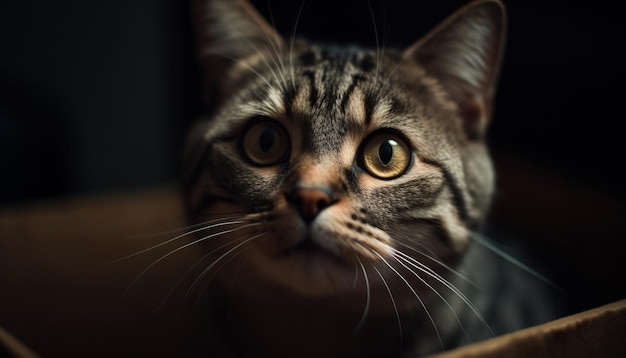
(457, 232)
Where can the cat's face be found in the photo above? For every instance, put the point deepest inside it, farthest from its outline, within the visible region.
(328, 170)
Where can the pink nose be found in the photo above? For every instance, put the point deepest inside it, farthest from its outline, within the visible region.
(310, 201)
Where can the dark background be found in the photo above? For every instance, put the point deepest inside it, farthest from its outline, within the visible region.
(95, 97)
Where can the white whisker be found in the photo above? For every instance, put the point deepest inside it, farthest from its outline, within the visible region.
(248, 67)
(275, 67)
(189, 227)
(379, 52)
(190, 269)
(207, 279)
(427, 270)
(432, 321)
(278, 71)
(208, 268)
(183, 247)
(432, 257)
(202, 228)
(366, 309)
(292, 41)
(434, 290)
(356, 276)
(395, 307)
(488, 244)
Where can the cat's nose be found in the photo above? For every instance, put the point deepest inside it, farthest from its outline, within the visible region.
(310, 201)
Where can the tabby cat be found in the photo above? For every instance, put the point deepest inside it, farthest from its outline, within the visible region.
(338, 190)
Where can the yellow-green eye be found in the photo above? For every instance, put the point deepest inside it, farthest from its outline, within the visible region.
(266, 142)
(385, 155)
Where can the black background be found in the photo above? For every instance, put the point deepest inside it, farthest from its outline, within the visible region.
(96, 97)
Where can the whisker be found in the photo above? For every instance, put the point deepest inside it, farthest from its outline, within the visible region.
(432, 273)
(189, 270)
(208, 280)
(246, 66)
(276, 57)
(193, 287)
(427, 270)
(490, 245)
(430, 317)
(181, 248)
(189, 227)
(432, 257)
(279, 69)
(456, 317)
(395, 307)
(208, 268)
(379, 53)
(367, 300)
(292, 41)
(202, 228)
(274, 67)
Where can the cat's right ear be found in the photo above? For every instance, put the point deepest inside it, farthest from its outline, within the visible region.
(227, 33)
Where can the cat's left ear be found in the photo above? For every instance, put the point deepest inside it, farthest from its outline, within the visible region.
(228, 32)
(464, 53)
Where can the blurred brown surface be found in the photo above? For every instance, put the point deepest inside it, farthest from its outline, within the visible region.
(60, 294)
(597, 332)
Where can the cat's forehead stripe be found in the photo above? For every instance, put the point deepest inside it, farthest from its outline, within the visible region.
(356, 79)
(336, 86)
(354, 109)
(313, 92)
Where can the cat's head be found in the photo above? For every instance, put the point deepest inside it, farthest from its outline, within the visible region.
(322, 164)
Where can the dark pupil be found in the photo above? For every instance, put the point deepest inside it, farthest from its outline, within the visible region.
(266, 141)
(385, 152)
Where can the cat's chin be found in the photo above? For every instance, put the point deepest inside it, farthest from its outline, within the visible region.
(308, 249)
(307, 269)
(310, 270)
(314, 275)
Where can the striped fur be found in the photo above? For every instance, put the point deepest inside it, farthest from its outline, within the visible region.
(323, 238)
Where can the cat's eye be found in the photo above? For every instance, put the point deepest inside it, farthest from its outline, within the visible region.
(265, 142)
(385, 155)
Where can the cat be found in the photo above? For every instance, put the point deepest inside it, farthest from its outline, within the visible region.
(338, 191)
